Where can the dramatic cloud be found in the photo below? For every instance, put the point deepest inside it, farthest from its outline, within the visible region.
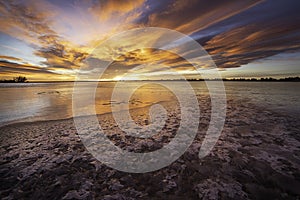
(8, 70)
(9, 58)
(25, 21)
(193, 15)
(257, 39)
(109, 9)
(30, 22)
(60, 35)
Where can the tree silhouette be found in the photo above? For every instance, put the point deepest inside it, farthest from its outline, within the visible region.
(20, 79)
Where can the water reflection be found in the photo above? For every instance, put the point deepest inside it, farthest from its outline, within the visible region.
(48, 101)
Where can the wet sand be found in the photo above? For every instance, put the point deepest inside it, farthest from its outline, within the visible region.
(256, 157)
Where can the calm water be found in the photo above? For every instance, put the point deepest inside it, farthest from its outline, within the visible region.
(48, 101)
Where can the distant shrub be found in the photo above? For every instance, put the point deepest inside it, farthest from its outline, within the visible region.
(19, 79)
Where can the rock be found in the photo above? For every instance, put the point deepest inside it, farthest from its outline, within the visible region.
(116, 185)
(73, 194)
(169, 185)
(146, 122)
(115, 197)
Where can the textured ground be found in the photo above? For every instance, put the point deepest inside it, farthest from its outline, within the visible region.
(256, 157)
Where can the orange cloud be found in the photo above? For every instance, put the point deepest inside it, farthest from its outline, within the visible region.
(9, 58)
(107, 9)
(9, 70)
(62, 35)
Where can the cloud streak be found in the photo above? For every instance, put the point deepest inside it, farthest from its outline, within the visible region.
(63, 34)
(9, 70)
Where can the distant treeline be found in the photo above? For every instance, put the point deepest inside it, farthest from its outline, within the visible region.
(287, 79)
(23, 79)
(19, 79)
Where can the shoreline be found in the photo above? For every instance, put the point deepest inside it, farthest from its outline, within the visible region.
(278, 112)
(20, 121)
(257, 156)
(249, 79)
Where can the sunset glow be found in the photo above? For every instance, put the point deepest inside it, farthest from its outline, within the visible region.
(49, 40)
(150, 99)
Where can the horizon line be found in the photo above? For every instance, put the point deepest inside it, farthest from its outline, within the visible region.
(264, 79)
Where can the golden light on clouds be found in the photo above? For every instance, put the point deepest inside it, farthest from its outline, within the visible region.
(47, 40)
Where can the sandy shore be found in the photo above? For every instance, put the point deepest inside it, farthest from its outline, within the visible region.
(256, 157)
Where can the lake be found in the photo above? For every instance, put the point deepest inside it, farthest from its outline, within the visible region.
(27, 102)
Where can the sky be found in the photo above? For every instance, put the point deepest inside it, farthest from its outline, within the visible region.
(50, 40)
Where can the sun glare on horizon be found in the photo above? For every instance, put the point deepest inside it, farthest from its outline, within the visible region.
(117, 78)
